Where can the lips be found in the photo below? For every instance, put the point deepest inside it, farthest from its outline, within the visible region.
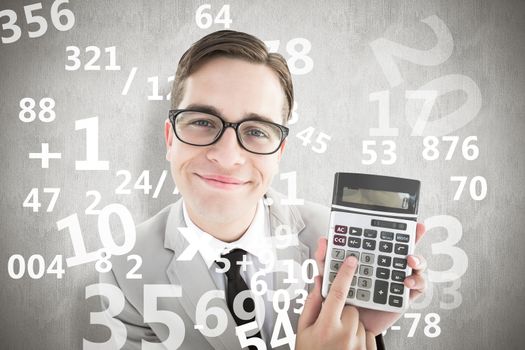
(221, 181)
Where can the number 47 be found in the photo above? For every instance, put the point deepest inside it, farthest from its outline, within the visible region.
(31, 200)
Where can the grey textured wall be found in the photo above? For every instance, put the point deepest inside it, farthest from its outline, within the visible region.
(476, 66)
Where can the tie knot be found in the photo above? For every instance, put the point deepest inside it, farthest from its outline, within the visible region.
(234, 256)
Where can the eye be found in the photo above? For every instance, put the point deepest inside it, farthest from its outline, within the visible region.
(258, 133)
(203, 123)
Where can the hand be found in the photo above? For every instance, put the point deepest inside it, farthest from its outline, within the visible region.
(377, 321)
(333, 325)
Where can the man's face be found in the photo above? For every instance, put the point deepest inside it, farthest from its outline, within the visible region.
(223, 182)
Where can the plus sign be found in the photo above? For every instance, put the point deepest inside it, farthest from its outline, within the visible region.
(244, 263)
(44, 156)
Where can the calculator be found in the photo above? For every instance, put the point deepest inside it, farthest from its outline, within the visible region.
(373, 218)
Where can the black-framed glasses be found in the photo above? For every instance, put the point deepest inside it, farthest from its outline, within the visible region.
(198, 128)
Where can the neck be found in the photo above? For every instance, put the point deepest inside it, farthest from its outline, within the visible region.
(226, 231)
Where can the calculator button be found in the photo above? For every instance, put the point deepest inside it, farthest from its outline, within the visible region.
(356, 231)
(365, 270)
(351, 293)
(363, 295)
(401, 249)
(331, 277)
(384, 260)
(370, 233)
(380, 292)
(338, 254)
(354, 242)
(398, 276)
(367, 258)
(369, 244)
(341, 229)
(339, 240)
(385, 247)
(354, 281)
(335, 265)
(364, 282)
(400, 237)
(383, 273)
(397, 288)
(394, 300)
(400, 263)
(388, 236)
(352, 253)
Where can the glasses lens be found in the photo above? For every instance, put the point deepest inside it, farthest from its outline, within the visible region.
(259, 136)
(197, 128)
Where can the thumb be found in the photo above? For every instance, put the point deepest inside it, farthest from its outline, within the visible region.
(312, 306)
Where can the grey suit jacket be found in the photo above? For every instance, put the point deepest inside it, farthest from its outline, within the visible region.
(159, 243)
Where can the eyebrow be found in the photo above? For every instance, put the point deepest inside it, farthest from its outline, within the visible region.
(212, 110)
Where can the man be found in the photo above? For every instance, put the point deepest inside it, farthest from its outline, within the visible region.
(225, 136)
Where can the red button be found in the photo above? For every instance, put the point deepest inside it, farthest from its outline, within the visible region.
(339, 240)
(341, 229)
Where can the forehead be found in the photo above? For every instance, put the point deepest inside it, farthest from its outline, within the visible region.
(236, 88)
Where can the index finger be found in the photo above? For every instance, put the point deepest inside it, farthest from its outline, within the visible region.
(336, 298)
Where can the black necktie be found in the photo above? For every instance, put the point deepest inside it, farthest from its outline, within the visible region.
(235, 285)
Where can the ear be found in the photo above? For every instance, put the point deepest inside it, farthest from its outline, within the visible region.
(281, 149)
(168, 137)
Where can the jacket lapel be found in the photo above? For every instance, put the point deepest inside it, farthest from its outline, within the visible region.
(194, 278)
(296, 251)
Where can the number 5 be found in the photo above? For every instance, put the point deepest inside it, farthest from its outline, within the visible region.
(169, 318)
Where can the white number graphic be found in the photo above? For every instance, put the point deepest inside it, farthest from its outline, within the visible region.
(36, 266)
(56, 16)
(476, 195)
(384, 129)
(46, 105)
(469, 150)
(132, 273)
(429, 93)
(306, 136)
(204, 19)
(10, 25)
(413, 327)
(291, 199)
(90, 65)
(173, 321)
(116, 302)
(447, 247)
(241, 332)
(387, 51)
(31, 200)
(300, 55)
(92, 162)
(202, 313)
(282, 321)
(90, 210)
(39, 20)
(81, 256)
(390, 148)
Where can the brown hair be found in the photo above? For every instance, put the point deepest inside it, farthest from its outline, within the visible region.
(229, 43)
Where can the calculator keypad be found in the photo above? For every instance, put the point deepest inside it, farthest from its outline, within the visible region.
(382, 264)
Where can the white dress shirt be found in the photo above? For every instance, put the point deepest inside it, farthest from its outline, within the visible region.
(252, 241)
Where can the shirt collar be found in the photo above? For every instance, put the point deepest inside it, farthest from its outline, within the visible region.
(251, 241)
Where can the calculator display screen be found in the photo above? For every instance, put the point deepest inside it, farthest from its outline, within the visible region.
(365, 196)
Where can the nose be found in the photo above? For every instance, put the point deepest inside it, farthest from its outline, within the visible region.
(227, 151)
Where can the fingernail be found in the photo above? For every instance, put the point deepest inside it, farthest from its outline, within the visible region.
(411, 282)
(416, 260)
(351, 261)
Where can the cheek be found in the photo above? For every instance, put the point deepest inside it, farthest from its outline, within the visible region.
(268, 168)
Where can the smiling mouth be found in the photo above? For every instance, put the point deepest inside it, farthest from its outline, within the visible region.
(222, 182)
